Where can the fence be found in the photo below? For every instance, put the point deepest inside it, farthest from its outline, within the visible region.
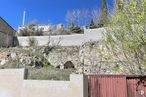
(116, 86)
(13, 84)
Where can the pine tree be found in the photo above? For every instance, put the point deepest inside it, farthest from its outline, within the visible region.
(119, 5)
(92, 25)
(72, 26)
(104, 15)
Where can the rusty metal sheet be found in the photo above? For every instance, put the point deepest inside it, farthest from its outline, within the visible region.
(136, 86)
(107, 86)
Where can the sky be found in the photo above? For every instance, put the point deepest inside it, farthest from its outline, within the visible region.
(44, 11)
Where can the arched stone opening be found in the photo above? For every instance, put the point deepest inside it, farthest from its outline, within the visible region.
(67, 65)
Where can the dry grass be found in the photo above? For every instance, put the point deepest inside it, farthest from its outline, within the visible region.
(49, 73)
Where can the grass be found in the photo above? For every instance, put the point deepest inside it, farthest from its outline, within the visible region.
(49, 73)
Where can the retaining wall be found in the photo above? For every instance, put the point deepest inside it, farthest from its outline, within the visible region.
(13, 84)
(67, 40)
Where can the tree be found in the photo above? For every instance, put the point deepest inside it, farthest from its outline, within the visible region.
(104, 14)
(80, 17)
(124, 41)
(119, 5)
(92, 25)
(95, 15)
(72, 26)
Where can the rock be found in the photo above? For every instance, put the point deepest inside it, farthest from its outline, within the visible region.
(37, 64)
(3, 62)
(13, 56)
(21, 60)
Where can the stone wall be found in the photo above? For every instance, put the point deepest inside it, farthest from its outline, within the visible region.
(6, 28)
(7, 35)
(13, 84)
(6, 40)
(60, 55)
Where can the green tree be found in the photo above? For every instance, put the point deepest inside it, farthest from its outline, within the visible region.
(92, 25)
(104, 15)
(124, 41)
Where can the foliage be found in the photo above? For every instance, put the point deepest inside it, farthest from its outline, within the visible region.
(32, 41)
(104, 15)
(31, 29)
(92, 25)
(76, 30)
(72, 26)
(82, 17)
(61, 32)
(124, 41)
(49, 73)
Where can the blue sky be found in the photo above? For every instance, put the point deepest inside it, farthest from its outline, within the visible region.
(43, 10)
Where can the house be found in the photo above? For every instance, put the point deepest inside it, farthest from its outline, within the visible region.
(7, 34)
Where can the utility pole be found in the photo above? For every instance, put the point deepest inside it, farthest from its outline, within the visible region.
(23, 20)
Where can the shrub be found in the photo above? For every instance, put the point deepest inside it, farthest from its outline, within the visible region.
(76, 30)
(31, 29)
(32, 41)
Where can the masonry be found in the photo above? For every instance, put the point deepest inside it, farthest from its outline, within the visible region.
(7, 34)
(13, 84)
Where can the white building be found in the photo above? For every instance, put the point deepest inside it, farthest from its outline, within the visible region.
(45, 28)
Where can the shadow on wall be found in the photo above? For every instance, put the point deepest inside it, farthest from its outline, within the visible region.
(15, 41)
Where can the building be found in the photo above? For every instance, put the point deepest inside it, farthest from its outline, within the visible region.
(7, 34)
(46, 29)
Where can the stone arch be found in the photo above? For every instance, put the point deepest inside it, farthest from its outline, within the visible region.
(67, 65)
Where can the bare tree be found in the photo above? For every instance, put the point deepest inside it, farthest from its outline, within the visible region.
(79, 17)
(95, 14)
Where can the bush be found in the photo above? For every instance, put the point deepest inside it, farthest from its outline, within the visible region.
(76, 30)
(31, 29)
(61, 32)
(32, 41)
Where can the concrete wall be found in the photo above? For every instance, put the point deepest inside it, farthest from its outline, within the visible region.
(13, 84)
(67, 40)
(94, 34)
(63, 40)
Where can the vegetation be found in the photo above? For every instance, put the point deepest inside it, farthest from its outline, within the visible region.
(45, 72)
(124, 41)
(104, 15)
(32, 41)
(49, 73)
(31, 29)
(92, 25)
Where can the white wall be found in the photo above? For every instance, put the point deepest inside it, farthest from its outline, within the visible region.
(67, 40)
(12, 84)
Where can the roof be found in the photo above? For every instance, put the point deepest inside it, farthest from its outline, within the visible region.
(10, 27)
